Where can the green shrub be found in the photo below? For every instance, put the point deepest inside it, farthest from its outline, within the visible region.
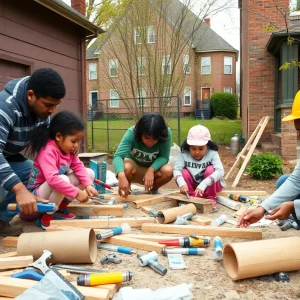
(265, 166)
(224, 105)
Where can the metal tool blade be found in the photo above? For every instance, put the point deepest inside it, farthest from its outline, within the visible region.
(78, 270)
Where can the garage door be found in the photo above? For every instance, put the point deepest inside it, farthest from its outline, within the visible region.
(10, 70)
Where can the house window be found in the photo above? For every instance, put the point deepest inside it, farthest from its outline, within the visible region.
(166, 64)
(186, 64)
(167, 95)
(113, 67)
(151, 35)
(227, 65)
(138, 35)
(141, 65)
(295, 7)
(205, 65)
(141, 97)
(187, 96)
(93, 98)
(114, 98)
(228, 90)
(92, 71)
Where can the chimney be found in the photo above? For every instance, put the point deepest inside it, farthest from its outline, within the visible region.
(207, 21)
(79, 5)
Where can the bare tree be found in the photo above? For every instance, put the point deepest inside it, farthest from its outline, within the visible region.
(145, 49)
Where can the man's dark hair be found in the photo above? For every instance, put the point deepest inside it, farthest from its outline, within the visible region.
(45, 83)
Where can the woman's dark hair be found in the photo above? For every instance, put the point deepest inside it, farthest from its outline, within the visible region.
(152, 124)
(64, 122)
(45, 83)
(210, 145)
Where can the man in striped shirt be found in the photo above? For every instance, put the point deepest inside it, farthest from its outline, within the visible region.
(25, 104)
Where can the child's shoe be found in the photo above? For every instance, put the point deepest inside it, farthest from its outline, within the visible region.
(46, 219)
(65, 214)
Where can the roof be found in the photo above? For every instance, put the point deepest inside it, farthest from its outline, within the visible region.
(66, 11)
(204, 38)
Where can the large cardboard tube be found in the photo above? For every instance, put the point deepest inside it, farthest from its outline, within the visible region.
(257, 258)
(77, 246)
(170, 215)
(234, 205)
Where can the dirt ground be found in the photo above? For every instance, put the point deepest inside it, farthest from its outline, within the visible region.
(208, 277)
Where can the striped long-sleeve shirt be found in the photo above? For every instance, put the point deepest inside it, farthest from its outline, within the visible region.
(15, 127)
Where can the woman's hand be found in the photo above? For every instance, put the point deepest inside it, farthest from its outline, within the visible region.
(91, 191)
(251, 216)
(149, 179)
(123, 185)
(281, 212)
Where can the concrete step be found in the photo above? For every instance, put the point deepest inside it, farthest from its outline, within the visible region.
(270, 147)
(276, 139)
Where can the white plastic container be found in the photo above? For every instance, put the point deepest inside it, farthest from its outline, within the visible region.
(219, 221)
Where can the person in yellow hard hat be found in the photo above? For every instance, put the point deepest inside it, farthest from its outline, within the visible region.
(285, 201)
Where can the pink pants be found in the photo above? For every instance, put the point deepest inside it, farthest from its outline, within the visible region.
(47, 192)
(210, 192)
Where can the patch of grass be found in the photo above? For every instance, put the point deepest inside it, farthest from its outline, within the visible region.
(108, 140)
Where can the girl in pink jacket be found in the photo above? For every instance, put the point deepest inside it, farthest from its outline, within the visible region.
(57, 173)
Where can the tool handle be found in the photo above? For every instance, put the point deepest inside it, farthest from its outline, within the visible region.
(124, 250)
(28, 274)
(13, 208)
(102, 183)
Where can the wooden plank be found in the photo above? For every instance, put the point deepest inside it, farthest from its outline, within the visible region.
(15, 262)
(204, 204)
(244, 193)
(96, 210)
(9, 254)
(151, 199)
(64, 273)
(112, 288)
(10, 241)
(123, 240)
(199, 230)
(98, 223)
(201, 221)
(153, 238)
(13, 287)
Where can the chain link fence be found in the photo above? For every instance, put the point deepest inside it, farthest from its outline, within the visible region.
(109, 119)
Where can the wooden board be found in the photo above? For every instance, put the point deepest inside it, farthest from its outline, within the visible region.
(64, 273)
(13, 287)
(150, 200)
(244, 193)
(154, 238)
(123, 240)
(200, 230)
(205, 205)
(96, 210)
(98, 223)
(15, 262)
(10, 241)
(9, 254)
(201, 221)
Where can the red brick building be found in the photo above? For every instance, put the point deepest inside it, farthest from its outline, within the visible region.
(266, 90)
(206, 63)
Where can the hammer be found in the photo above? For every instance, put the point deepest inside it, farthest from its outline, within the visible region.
(150, 260)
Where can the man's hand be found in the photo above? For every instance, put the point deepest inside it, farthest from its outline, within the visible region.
(251, 216)
(123, 185)
(82, 196)
(25, 200)
(91, 191)
(184, 189)
(281, 212)
(149, 179)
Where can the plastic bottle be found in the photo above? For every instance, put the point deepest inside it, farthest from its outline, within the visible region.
(219, 221)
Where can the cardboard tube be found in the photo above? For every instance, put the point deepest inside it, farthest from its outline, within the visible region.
(257, 258)
(78, 246)
(170, 215)
(229, 203)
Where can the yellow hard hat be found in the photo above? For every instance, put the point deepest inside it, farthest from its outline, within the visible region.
(295, 110)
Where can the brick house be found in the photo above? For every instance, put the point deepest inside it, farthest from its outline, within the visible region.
(206, 64)
(265, 90)
(49, 33)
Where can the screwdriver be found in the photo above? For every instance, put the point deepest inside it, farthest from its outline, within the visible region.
(115, 248)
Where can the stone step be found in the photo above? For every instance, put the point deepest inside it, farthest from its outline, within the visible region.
(276, 139)
(270, 147)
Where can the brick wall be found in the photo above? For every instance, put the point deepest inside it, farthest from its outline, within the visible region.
(258, 70)
(79, 5)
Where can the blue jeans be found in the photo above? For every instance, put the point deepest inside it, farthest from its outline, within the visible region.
(279, 182)
(22, 169)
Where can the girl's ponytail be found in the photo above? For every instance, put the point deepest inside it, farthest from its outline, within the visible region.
(38, 138)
